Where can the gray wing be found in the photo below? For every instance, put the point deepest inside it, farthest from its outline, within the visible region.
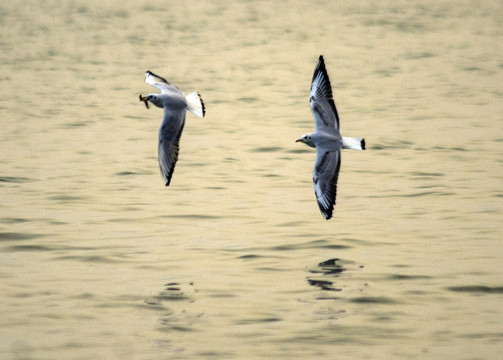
(321, 99)
(325, 175)
(170, 133)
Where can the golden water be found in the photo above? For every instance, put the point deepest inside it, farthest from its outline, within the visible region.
(99, 260)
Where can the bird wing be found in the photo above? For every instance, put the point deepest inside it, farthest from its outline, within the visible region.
(325, 175)
(160, 83)
(170, 133)
(321, 99)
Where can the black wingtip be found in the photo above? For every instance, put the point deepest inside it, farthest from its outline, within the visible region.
(321, 65)
(363, 144)
(326, 212)
(150, 73)
(202, 104)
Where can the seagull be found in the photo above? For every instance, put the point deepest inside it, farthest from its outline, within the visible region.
(175, 105)
(327, 140)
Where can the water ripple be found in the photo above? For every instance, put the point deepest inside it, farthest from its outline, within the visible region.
(374, 300)
(267, 149)
(477, 289)
(15, 236)
(17, 248)
(13, 179)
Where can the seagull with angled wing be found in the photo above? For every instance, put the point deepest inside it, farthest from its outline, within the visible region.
(175, 105)
(327, 140)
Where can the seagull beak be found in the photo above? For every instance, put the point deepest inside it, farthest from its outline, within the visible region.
(144, 99)
(298, 140)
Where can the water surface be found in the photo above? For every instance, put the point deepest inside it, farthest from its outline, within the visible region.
(234, 261)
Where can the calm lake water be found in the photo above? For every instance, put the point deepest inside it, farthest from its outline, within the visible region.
(98, 260)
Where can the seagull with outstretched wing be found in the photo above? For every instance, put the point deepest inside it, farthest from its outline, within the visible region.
(175, 105)
(327, 140)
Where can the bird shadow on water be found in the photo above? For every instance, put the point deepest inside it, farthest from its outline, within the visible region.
(175, 317)
(327, 272)
(173, 291)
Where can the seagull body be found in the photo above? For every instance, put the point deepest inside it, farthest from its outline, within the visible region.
(327, 140)
(175, 105)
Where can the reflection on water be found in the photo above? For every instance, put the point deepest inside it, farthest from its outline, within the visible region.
(330, 268)
(99, 259)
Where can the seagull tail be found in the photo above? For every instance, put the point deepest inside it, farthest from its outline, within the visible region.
(195, 104)
(353, 143)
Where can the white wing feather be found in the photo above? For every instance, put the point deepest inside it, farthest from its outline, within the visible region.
(157, 81)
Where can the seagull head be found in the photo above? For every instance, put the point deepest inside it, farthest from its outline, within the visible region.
(153, 98)
(306, 139)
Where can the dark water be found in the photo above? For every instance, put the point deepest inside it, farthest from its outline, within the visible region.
(234, 260)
